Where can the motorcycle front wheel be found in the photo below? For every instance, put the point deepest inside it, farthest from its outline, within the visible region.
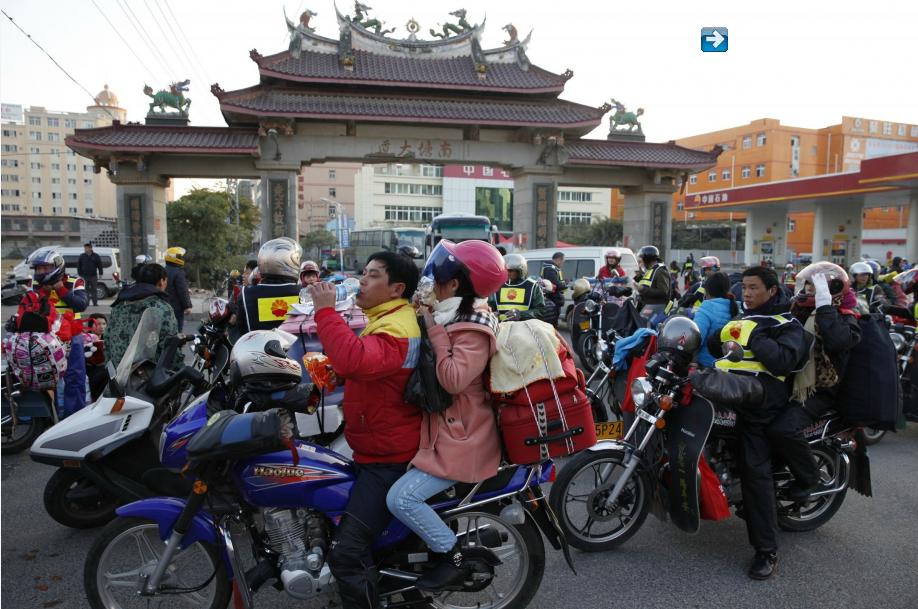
(578, 498)
(585, 349)
(127, 551)
(77, 502)
(20, 436)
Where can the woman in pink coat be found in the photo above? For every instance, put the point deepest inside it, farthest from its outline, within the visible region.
(460, 444)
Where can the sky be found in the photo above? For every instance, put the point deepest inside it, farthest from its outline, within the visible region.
(804, 63)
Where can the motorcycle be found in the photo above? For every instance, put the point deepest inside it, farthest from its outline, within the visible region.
(279, 500)
(12, 292)
(596, 317)
(905, 338)
(603, 495)
(211, 346)
(106, 454)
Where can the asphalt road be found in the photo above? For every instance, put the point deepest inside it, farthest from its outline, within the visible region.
(865, 557)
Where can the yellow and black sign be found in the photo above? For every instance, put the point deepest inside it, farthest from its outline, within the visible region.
(275, 308)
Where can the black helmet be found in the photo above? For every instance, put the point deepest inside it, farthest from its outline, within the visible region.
(649, 252)
(679, 334)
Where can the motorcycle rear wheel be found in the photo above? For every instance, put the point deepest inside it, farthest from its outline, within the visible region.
(17, 438)
(575, 500)
(872, 436)
(129, 547)
(800, 518)
(94, 509)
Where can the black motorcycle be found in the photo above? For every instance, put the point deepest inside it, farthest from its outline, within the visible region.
(603, 494)
(595, 317)
(211, 346)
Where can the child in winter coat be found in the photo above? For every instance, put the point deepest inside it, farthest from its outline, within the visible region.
(461, 443)
(719, 307)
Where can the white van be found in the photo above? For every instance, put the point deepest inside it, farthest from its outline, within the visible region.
(109, 282)
(582, 261)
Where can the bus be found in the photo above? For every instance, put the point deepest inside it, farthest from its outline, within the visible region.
(458, 227)
(371, 240)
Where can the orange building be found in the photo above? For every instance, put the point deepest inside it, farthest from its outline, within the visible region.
(767, 151)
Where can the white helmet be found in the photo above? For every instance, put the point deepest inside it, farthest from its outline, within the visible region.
(547, 286)
(280, 257)
(516, 262)
(142, 259)
(259, 362)
(861, 268)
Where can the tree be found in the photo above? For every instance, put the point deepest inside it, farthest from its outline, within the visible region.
(200, 222)
(604, 232)
(313, 242)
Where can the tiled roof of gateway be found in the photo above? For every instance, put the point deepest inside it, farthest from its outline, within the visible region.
(441, 73)
(167, 139)
(403, 108)
(605, 152)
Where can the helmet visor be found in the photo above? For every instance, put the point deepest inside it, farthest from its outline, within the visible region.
(442, 265)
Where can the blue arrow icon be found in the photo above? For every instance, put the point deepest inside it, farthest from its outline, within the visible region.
(714, 40)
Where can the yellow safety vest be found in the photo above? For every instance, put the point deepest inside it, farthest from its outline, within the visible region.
(514, 298)
(699, 292)
(647, 279)
(740, 331)
(61, 306)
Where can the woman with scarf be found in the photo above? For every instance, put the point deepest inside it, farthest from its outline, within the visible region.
(826, 306)
(461, 443)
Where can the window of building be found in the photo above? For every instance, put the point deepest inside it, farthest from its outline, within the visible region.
(725, 174)
(9, 163)
(90, 211)
(69, 123)
(10, 147)
(55, 180)
(760, 171)
(36, 195)
(9, 133)
(56, 211)
(10, 192)
(574, 217)
(693, 179)
(432, 171)
(410, 213)
(87, 181)
(680, 205)
(35, 135)
(54, 122)
(73, 196)
(398, 188)
(88, 125)
(712, 175)
(9, 207)
(35, 165)
(813, 151)
(86, 168)
(791, 225)
(71, 181)
(745, 172)
(332, 192)
(34, 149)
(36, 180)
(35, 121)
(71, 167)
(760, 139)
(71, 210)
(10, 177)
(36, 209)
(331, 174)
(54, 137)
(575, 196)
(747, 142)
(55, 195)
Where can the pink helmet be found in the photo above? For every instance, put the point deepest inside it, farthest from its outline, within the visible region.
(483, 262)
(613, 253)
(709, 262)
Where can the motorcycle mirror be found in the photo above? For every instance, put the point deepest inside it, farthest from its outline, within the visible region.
(733, 351)
(113, 386)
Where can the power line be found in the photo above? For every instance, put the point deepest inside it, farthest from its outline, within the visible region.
(142, 63)
(60, 67)
(164, 37)
(190, 46)
(142, 33)
(179, 42)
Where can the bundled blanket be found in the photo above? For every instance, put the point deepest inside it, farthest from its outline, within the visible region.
(527, 351)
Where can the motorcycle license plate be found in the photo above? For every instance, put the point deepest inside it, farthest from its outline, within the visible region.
(585, 324)
(610, 430)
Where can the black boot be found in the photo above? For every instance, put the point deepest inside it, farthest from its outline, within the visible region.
(448, 571)
(763, 565)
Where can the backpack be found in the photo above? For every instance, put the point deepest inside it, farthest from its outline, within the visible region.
(38, 359)
(549, 417)
(870, 393)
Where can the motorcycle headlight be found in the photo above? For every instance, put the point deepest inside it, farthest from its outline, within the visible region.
(590, 306)
(898, 340)
(600, 349)
(640, 391)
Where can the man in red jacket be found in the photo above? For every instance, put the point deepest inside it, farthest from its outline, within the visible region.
(383, 431)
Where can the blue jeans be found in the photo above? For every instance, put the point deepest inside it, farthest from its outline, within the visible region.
(406, 501)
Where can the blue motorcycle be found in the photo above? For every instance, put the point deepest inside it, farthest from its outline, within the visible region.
(260, 494)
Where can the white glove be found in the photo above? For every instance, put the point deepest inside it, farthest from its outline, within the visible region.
(823, 297)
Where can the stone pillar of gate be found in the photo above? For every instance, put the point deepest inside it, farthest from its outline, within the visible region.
(911, 234)
(647, 218)
(141, 210)
(277, 203)
(766, 236)
(837, 231)
(535, 209)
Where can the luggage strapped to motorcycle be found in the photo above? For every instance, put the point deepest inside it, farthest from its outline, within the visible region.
(538, 409)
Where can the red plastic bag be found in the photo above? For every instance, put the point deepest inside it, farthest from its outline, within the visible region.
(712, 500)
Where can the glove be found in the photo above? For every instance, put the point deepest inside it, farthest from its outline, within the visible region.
(823, 297)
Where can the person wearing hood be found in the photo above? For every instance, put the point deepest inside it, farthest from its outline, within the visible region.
(718, 307)
(148, 293)
(825, 305)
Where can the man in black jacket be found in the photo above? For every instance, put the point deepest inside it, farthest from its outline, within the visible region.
(774, 346)
(177, 286)
(265, 306)
(89, 268)
(552, 272)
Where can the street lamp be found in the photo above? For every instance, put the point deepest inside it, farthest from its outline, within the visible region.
(338, 230)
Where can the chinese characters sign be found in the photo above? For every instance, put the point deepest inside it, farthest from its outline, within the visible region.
(412, 149)
(543, 201)
(658, 223)
(135, 224)
(711, 198)
(277, 207)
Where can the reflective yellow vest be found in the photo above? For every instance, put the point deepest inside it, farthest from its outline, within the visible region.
(516, 297)
(740, 331)
(700, 294)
